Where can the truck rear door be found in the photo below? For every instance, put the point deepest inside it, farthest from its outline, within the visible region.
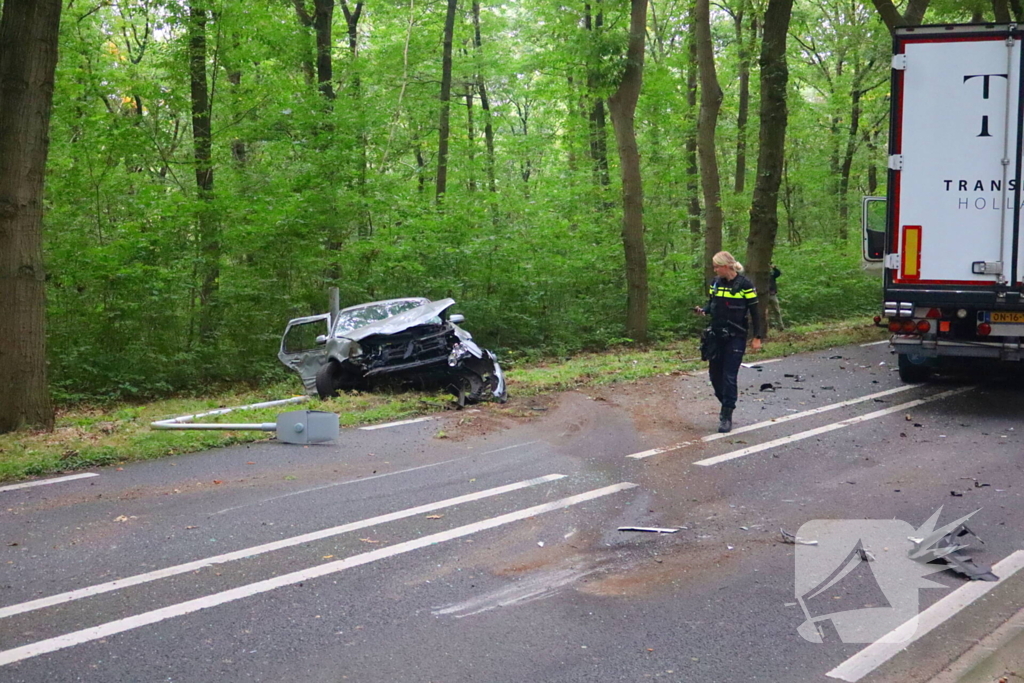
(955, 157)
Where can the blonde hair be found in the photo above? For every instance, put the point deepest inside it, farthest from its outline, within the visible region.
(724, 258)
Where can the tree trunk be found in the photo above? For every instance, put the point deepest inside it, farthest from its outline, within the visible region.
(28, 59)
(622, 107)
(739, 183)
(844, 173)
(692, 173)
(323, 16)
(892, 18)
(208, 225)
(764, 220)
(443, 128)
(1001, 10)
(596, 118)
(471, 138)
(485, 104)
(710, 103)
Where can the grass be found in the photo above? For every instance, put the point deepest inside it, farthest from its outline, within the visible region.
(90, 436)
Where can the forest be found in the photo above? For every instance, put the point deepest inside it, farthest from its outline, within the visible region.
(563, 170)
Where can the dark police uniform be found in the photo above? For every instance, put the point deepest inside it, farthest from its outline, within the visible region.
(729, 304)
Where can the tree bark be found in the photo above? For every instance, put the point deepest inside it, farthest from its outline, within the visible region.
(323, 16)
(596, 118)
(692, 172)
(743, 108)
(28, 59)
(892, 18)
(1001, 10)
(764, 220)
(622, 107)
(443, 128)
(485, 104)
(202, 143)
(707, 121)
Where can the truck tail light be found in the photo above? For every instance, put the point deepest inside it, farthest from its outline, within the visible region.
(984, 329)
(934, 313)
(923, 326)
(943, 326)
(908, 327)
(895, 326)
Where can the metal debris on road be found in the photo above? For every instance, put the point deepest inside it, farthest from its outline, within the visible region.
(794, 539)
(651, 529)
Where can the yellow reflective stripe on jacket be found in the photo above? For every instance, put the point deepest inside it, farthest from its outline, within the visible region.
(743, 294)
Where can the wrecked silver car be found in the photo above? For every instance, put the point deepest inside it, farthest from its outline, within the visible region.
(399, 341)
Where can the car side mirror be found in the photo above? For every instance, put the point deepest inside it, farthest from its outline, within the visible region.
(321, 339)
(457, 318)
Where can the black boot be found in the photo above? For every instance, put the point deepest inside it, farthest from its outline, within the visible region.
(725, 420)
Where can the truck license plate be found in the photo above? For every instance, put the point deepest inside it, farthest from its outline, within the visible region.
(1007, 317)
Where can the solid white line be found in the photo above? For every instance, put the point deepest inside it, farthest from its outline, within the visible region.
(900, 638)
(57, 480)
(655, 451)
(805, 413)
(396, 424)
(884, 341)
(769, 423)
(121, 625)
(90, 591)
(827, 428)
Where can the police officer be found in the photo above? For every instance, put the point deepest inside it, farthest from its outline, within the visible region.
(732, 297)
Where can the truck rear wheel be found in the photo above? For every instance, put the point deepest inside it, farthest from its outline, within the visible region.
(911, 372)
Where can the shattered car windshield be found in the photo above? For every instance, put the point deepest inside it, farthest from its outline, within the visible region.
(362, 316)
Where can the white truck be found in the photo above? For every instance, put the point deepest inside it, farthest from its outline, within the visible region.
(951, 244)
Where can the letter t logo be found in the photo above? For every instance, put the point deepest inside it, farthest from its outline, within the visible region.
(984, 95)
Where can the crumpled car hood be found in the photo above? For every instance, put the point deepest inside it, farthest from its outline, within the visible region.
(420, 315)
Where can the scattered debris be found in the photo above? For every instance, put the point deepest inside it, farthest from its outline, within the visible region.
(434, 516)
(866, 554)
(949, 549)
(767, 386)
(540, 543)
(978, 484)
(956, 494)
(792, 539)
(651, 529)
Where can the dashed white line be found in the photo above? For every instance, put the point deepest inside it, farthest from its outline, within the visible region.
(813, 411)
(891, 644)
(655, 451)
(117, 584)
(769, 423)
(155, 616)
(43, 482)
(396, 424)
(884, 341)
(827, 428)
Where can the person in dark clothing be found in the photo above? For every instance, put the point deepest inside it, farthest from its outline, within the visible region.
(732, 299)
(773, 297)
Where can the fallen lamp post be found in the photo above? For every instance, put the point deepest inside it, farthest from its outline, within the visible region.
(296, 427)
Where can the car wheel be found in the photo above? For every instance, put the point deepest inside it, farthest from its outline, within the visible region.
(913, 372)
(328, 379)
(466, 387)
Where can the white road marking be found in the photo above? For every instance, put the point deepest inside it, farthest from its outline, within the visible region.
(655, 451)
(507, 448)
(117, 584)
(760, 362)
(42, 482)
(769, 423)
(813, 411)
(884, 341)
(900, 638)
(155, 616)
(396, 424)
(827, 428)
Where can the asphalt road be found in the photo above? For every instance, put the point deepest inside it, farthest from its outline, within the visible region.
(484, 546)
